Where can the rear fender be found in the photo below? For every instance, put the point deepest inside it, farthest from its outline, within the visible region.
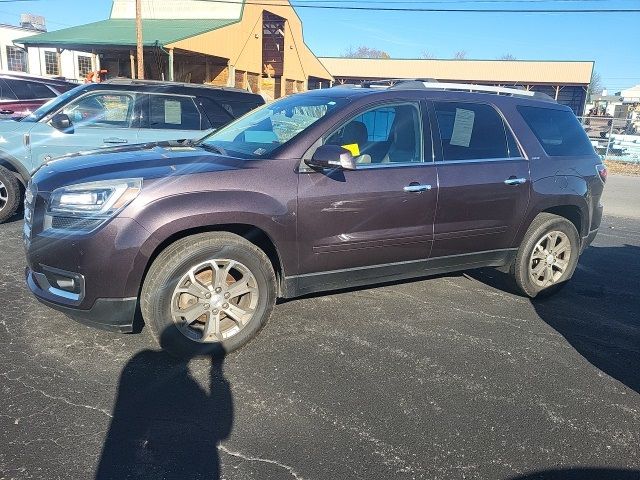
(557, 191)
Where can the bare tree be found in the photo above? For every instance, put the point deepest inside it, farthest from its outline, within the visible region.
(460, 55)
(364, 52)
(427, 55)
(507, 57)
(595, 86)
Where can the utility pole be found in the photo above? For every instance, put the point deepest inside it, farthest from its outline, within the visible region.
(139, 39)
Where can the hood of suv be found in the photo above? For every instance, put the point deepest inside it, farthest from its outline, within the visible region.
(147, 161)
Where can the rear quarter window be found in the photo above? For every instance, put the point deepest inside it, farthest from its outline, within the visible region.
(222, 109)
(558, 131)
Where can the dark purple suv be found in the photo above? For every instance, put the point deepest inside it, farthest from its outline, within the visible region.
(317, 191)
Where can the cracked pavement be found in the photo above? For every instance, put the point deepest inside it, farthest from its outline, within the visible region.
(451, 377)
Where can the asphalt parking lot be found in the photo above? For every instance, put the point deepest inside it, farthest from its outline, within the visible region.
(450, 377)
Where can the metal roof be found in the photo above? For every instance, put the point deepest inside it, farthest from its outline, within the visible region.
(122, 32)
(493, 71)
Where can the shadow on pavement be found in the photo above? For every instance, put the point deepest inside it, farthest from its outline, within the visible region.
(582, 474)
(165, 424)
(598, 312)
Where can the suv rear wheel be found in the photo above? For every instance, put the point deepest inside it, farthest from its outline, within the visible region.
(547, 256)
(208, 294)
(9, 194)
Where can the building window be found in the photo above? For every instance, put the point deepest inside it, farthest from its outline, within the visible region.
(84, 65)
(16, 59)
(51, 63)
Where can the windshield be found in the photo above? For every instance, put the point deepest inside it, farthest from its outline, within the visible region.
(261, 131)
(52, 105)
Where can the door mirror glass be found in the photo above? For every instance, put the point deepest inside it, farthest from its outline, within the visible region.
(332, 156)
(62, 122)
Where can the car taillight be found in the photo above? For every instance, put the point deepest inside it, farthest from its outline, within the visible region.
(602, 171)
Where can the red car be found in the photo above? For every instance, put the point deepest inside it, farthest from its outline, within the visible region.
(22, 94)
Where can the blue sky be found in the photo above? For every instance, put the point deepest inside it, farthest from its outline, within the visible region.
(612, 40)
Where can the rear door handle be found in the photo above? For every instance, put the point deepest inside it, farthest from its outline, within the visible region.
(515, 181)
(416, 188)
(115, 140)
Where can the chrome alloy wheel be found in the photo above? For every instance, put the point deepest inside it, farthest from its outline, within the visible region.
(214, 300)
(4, 195)
(550, 258)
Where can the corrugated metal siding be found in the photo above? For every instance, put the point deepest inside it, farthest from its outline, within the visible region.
(513, 71)
(123, 32)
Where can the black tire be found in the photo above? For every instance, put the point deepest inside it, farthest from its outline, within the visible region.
(9, 187)
(174, 262)
(543, 224)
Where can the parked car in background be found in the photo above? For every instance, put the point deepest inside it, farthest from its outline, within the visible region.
(21, 94)
(321, 190)
(113, 113)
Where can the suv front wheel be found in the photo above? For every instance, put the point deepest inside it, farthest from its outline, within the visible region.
(9, 194)
(208, 294)
(547, 256)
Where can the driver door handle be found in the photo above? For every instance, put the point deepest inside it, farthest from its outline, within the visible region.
(115, 140)
(515, 181)
(415, 187)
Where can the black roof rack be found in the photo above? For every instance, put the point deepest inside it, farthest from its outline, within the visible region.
(131, 81)
(399, 82)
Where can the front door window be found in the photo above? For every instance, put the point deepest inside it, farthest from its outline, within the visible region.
(388, 134)
(106, 110)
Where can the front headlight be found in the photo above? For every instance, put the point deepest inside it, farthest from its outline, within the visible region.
(87, 205)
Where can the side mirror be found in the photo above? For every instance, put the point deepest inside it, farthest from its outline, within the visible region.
(332, 156)
(62, 122)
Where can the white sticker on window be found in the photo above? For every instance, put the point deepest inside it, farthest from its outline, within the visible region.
(462, 127)
(172, 112)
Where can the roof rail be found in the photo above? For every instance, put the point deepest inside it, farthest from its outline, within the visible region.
(131, 81)
(432, 84)
(398, 82)
(470, 87)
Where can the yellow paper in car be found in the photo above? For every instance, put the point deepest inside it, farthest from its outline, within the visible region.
(353, 148)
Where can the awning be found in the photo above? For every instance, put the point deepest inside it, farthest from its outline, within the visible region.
(117, 32)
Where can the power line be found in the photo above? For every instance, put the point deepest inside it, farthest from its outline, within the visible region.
(434, 10)
(439, 2)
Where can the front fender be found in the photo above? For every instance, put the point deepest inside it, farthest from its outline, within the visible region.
(173, 215)
(13, 164)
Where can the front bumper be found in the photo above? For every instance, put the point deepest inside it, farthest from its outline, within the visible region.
(586, 241)
(112, 314)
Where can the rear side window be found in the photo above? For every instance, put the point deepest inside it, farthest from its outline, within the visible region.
(5, 92)
(218, 116)
(473, 131)
(26, 90)
(558, 131)
(236, 108)
(221, 109)
(168, 112)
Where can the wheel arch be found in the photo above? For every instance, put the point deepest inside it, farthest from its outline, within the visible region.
(573, 213)
(252, 233)
(15, 167)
